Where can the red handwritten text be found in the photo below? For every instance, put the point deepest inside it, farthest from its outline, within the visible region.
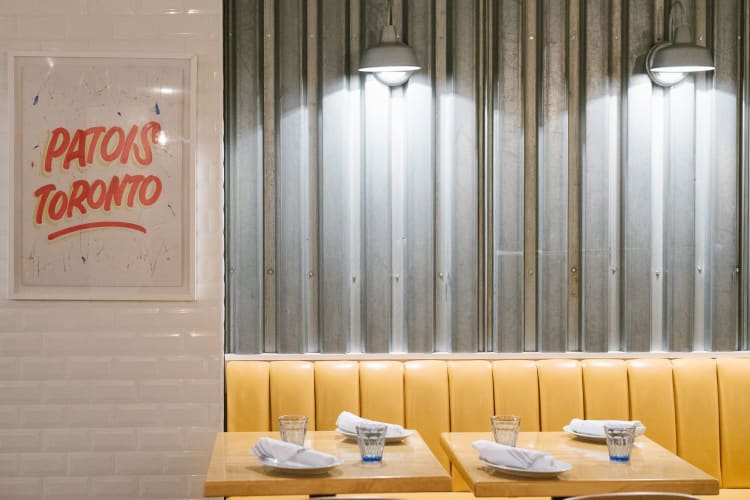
(110, 143)
(56, 204)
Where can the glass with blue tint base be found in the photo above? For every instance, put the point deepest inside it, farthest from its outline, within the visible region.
(619, 441)
(371, 440)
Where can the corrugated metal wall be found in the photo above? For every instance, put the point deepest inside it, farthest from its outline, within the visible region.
(528, 190)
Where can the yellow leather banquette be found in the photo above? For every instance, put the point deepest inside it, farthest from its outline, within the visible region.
(697, 407)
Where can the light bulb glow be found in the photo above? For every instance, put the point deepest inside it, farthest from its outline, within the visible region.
(667, 78)
(393, 78)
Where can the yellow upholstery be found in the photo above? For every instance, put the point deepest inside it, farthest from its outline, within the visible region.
(605, 387)
(292, 391)
(470, 389)
(734, 409)
(426, 403)
(248, 396)
(471, 405)
(697, 412)
(652, 399)
(560, 392)
(336, 390)
(517, 391)
(382, 391)
(696, 407)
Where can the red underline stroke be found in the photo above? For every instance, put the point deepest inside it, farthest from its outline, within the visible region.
(92, 225)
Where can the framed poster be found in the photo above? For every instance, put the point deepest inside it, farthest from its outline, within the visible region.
(102, 177)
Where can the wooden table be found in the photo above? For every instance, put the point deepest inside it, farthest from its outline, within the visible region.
(407, 466)
(651, 468)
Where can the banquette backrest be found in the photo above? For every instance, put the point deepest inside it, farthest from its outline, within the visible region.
(697, 407)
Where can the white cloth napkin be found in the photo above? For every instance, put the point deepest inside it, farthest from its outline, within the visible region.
(596, 427)
(288, 453)
(510, 456)
(348, 422)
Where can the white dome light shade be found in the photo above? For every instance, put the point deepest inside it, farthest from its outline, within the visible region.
(669, 62)
(391, 61)
(682, 58)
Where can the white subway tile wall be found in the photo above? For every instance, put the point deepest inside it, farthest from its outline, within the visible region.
(116, 400)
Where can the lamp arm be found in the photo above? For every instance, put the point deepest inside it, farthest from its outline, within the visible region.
(671, 20)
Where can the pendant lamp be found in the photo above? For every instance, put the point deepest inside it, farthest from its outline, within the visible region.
(671, 61)
(391, 61)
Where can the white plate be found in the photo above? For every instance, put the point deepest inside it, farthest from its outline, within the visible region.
(561, 467)
(597, 438)
(297, 468)
(388, 439)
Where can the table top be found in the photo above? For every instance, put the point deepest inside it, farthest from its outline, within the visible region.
(407, 466)
(651, 468)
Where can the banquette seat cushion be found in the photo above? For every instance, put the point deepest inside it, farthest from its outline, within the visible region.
(696, 407)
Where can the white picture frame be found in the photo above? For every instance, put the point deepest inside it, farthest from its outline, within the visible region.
(102, 167)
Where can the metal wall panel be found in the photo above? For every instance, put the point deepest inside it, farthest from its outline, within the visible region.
(703, 168)
(456, 190)
(419, 240)
(529, 189)
(353, 132)
(292, 162)
(573, 72)
(743, 101)
(637, 179)
(460, 265)
(553, 181)
(268, 167)
(244, 182)
(508, 178)
(377, 216)
(600, 116)
(723, 235)
(531, 78)
(679, 206)
(334, 180)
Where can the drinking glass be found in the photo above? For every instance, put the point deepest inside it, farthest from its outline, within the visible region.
(293, 428)
(505, 428)
(619, 441)
(371, 440)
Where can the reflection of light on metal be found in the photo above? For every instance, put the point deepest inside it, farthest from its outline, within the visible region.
(166, 90)
(50, 62)
(161, 138)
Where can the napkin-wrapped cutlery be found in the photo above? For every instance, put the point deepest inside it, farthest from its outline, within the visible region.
(283, 452)
(348, 422)
(510, 456)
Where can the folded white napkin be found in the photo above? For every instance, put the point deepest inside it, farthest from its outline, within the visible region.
(348, 422)
(288, 453)
(510, 456)
(596, 427)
